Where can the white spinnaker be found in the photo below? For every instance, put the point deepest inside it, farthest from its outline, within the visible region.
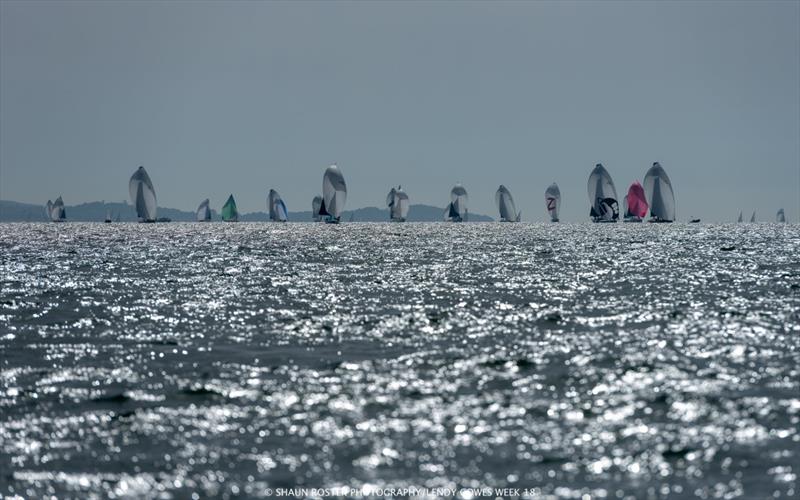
(334, 191)
(505, 204)
(402, 203)
(48, 209)
(659, 194)
(552, 199)
(143, 196)
(601, 187)
(203, 211)
(57, 211)
(459, 199)
(277, 208)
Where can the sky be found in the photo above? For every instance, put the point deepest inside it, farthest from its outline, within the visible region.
(216, 98)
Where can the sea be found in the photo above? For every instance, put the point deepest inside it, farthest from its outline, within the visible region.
(255, 360)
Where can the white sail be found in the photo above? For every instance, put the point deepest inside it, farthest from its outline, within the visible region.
(505, 204)
(143, 196)
(204, 212)
(552, 199)
(780, 216)
(753, 217)
(602, 196)
(457, 209)
(740, 217)
(659, 194)
(316, 204)
(334, 192)
(277, 208)
(397, 201)
(57, 212)
(48, 209)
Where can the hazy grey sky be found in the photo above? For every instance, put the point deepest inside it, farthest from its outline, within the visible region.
(216, 98)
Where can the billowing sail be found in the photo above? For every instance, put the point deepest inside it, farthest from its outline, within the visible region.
(635, 203)
(334, 192)
(740, 217)
(457, 209)
(780, 216)
(203, 212)
(397, 201)
(505, 205)
(753, 217)
(229, 212)
(277, 208)
(57, 212)
(48, 209)
(552, 200)
(658, 190)
(316, 208)
(143, 196)
(602, 196)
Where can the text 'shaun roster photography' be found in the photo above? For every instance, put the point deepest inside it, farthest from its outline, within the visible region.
(382, 249)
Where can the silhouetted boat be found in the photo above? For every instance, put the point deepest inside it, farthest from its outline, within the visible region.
(397, 201)
(506, 206)
(602, 196)
(456, 210)
(143, 196)
(658, 189)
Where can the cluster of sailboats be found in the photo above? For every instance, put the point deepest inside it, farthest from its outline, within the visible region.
(655, 197)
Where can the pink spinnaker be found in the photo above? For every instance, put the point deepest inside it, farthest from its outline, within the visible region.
(637, 203)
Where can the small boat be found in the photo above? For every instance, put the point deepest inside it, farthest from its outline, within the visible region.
(57, 211)
(48, 209)
(203, 213)
(780, 216)
(107, 220)
(506, 206)
(658, 189)
(143, 196)
(229, 212)
(276, 206)
(397, 201)
(552, 200)
(694, 221)
(753, 217)
(634, 205)
(740, 217)
(334, 195)
(456, 210)
(316, 204)
(602, 196)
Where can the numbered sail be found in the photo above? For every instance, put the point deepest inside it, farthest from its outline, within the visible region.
(397, 201)
(457, 209)
(635, 203)
(229, 212)
(277, 208)
(780, 216)
(334, 192)
(143, 196)
(505, 205)
(658, 190)
(203, 212)
(57, 211)
(602, 196)
(552, 200)
(316, 209)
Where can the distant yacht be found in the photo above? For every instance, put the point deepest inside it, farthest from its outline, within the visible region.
(552, 200)
(780, 216)
(143, 196)
(397, 201)
(506, 206)
(740, 217)
(334, 195)
(602, 196)
(276, 206)
(203, 212)
(57, 211)
(456, 210)
(658, 189)
(634, 205)
(316, 204)
(229, 211)
(48, 210)
(107, 220)
(753, 217)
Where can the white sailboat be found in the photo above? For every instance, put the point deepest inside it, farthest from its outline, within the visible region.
(398, 203)
(107, 220)
(277, 208)
(334, 195)
(143, 196)
(753, 217)
(203, 213)
(780, 216)
(659, 193)
(57, 211)
(602, 196)
(456, 210)
(506, 206)
(552, 200)
(316, 204)
(740, 217)
(48, 209)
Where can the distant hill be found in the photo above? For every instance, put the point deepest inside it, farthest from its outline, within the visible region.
(12, 211)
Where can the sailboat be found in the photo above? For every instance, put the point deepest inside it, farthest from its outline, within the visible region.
(57, 212)
(143, 196)
(334, 195)
(277, 208)
(658, 189)
(634, 204)
(107, 220)
(506, 206)
(229, 211)
(456, 210)
(740, 217)
(398, 203)
(48, 209)
(780, 216)
(316, 204)
(203, 213)
(552, 200)
(753, 217)
(602, 196)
